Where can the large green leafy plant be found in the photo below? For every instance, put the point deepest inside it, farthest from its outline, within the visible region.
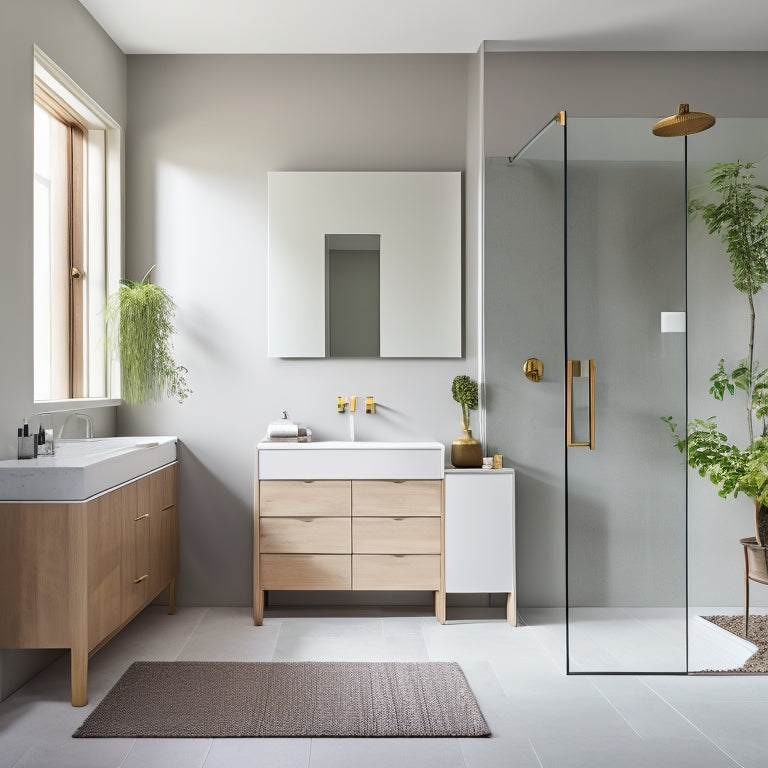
(739, 215)
(140, 324)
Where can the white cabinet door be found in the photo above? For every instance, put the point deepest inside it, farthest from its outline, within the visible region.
(480, 530)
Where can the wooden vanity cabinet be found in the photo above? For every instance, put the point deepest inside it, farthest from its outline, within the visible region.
(73, 574)
(348, 534)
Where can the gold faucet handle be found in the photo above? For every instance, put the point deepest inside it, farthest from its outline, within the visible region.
(341, 403)
(370, 406)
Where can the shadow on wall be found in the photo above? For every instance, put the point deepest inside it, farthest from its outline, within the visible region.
(208, 562)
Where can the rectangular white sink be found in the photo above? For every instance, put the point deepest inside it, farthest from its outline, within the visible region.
(83, 468)
(341, 460)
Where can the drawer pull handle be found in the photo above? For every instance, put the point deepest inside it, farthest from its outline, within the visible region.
(141, 578)
(140, 517)
(398, 519)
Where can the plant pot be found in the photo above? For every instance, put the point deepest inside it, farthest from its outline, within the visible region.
(466, 452)
(756, 560)
(761, 524)
(755, 569)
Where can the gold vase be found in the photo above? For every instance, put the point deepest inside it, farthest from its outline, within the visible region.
(466, 452)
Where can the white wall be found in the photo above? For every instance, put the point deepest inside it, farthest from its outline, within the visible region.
(68, 34)
(523, 92)
(203, 132)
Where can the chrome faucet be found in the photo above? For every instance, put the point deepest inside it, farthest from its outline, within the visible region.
(88, 424)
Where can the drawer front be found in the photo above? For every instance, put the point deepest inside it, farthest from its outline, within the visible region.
(396, 535)
(319, 535)
(395, 572)
(305, 572)
(304, 498)
(397, 498)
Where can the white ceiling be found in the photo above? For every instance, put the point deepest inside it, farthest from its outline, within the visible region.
(430, 26)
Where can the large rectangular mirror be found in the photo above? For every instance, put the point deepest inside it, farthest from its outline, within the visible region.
(365, 264)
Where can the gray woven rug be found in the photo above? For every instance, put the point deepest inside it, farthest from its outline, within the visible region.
(196, 699)
(757, 663)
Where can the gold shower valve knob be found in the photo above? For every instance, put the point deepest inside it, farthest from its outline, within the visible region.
(533, 368)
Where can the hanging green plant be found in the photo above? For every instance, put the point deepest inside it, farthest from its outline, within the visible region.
(140, 324)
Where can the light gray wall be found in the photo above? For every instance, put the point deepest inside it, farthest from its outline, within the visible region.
(68, 34)
(626, 264)
(203, 133)
(522, 93)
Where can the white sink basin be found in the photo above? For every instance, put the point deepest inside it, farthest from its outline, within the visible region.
(83, 468)
(342, 460)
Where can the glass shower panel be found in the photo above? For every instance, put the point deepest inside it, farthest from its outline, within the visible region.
(718, 327)
(625, 485)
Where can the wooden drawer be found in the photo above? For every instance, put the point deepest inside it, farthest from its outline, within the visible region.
(397, 498)
(395, 572)
(396, 535)
(321, 535)
(304, 498)
(305, 572)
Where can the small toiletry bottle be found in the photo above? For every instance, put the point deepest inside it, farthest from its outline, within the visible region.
(20, 448)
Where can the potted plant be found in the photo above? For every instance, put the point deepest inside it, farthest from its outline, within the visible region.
(466, 452)
(740, 217)
(140, 319)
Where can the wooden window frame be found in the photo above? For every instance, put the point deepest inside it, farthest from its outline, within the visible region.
(76, 134)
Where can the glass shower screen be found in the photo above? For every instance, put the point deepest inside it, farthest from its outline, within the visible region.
(625, 265)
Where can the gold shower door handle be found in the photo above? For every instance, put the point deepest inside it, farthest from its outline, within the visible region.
(569, 365)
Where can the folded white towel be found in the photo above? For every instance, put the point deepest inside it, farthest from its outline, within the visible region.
(283, 428)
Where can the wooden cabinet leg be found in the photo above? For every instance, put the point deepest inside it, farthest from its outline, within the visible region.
(511, 609)
(258, 607)
(79, 677)
(440, 605)
(172, 597)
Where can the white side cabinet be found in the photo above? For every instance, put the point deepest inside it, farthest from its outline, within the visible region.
(480, 533)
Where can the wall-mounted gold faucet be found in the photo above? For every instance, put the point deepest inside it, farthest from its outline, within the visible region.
(342, 402)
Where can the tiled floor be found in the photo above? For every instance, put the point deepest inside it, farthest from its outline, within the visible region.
(540, 717)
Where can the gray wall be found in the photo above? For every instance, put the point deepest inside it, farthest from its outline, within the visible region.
(68, 34)
(522, 93)
(203, 133)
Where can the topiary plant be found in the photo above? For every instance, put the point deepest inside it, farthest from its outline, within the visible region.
(140, 319)
(464, 391)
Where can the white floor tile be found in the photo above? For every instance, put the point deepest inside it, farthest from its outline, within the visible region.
(539, 717)
(229, 634)
(274, 753)
(168, 753)
(385, 753)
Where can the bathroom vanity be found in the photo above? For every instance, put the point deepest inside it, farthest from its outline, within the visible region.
(74, 571)
(349, 516)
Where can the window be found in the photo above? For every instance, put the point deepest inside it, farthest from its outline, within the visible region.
(76, 238)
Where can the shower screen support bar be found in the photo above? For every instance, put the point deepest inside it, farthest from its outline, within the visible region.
(569, 374)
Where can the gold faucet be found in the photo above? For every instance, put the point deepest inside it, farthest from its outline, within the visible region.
(370, 405)
(342, 402)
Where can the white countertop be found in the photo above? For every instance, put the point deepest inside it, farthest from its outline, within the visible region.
(84, 468)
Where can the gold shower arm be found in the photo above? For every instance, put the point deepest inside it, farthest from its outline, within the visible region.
(569, 406)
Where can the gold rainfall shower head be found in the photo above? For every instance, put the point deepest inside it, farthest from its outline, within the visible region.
(683, 123)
